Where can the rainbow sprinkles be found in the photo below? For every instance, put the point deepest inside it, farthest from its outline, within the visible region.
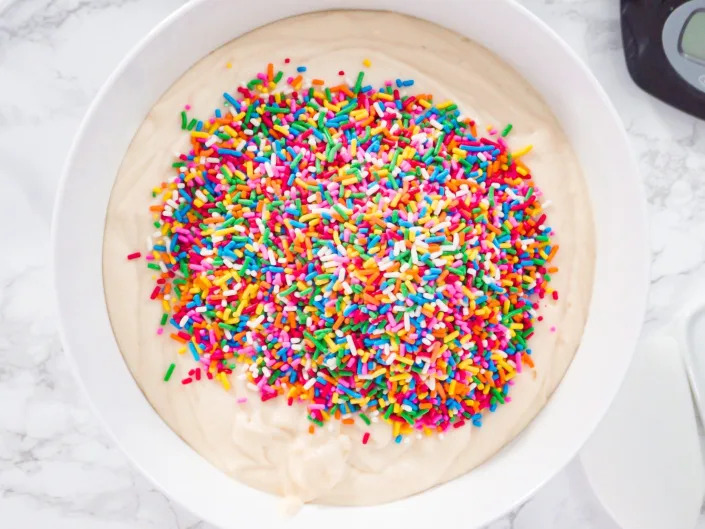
(362, 251)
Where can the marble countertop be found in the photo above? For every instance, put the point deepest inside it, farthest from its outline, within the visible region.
(58, 468)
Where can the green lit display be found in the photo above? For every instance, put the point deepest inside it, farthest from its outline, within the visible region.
(693, 39)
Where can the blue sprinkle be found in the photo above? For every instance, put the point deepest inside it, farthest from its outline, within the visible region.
(194, 352)
(230, 99)
(229, 152)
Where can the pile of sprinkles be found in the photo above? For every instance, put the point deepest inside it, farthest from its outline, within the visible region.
(361, 251)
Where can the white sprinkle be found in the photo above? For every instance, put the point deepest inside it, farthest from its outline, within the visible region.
(351, 345)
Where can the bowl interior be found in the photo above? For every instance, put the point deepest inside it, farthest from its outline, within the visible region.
(550, 441)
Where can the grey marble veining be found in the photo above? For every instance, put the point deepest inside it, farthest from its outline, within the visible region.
(58, 469)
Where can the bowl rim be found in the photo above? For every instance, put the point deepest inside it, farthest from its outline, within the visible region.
(166, 481)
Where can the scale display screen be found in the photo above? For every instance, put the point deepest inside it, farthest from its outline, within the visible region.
(693, 38)
(664, 45)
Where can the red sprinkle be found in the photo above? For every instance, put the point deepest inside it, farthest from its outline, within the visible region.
(287, 60)
(154, 293)
(135, 255)
(365, 438)
(341, 72)
(186, 381)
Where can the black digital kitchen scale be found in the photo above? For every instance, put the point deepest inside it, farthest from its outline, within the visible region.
(664, 43)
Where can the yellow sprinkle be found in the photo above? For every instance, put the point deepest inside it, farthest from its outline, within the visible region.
(224, 381)
(522, 152)
(451, 389)
(452, 336)
(375, 374)
(466, 365)
(395, 200)
(329, 106)
(225, 231)
(367, 63)
(309, 216)
(349, 181)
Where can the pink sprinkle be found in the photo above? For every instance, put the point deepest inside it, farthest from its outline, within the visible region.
(553, 328)
(160, 330)
(242, 400)
(187, 107)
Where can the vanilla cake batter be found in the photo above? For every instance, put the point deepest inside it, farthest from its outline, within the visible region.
(267, 445)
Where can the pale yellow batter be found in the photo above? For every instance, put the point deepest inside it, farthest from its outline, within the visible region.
(268, 445)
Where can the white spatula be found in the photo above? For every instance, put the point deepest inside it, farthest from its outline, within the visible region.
(644, 461)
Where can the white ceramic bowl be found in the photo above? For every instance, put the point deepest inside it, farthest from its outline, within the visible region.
(489, 491)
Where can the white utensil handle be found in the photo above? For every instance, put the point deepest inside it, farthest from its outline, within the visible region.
(689, 332)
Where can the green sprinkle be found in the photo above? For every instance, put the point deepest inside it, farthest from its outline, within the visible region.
(358, 83)
(169, 372)
(341, 211)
